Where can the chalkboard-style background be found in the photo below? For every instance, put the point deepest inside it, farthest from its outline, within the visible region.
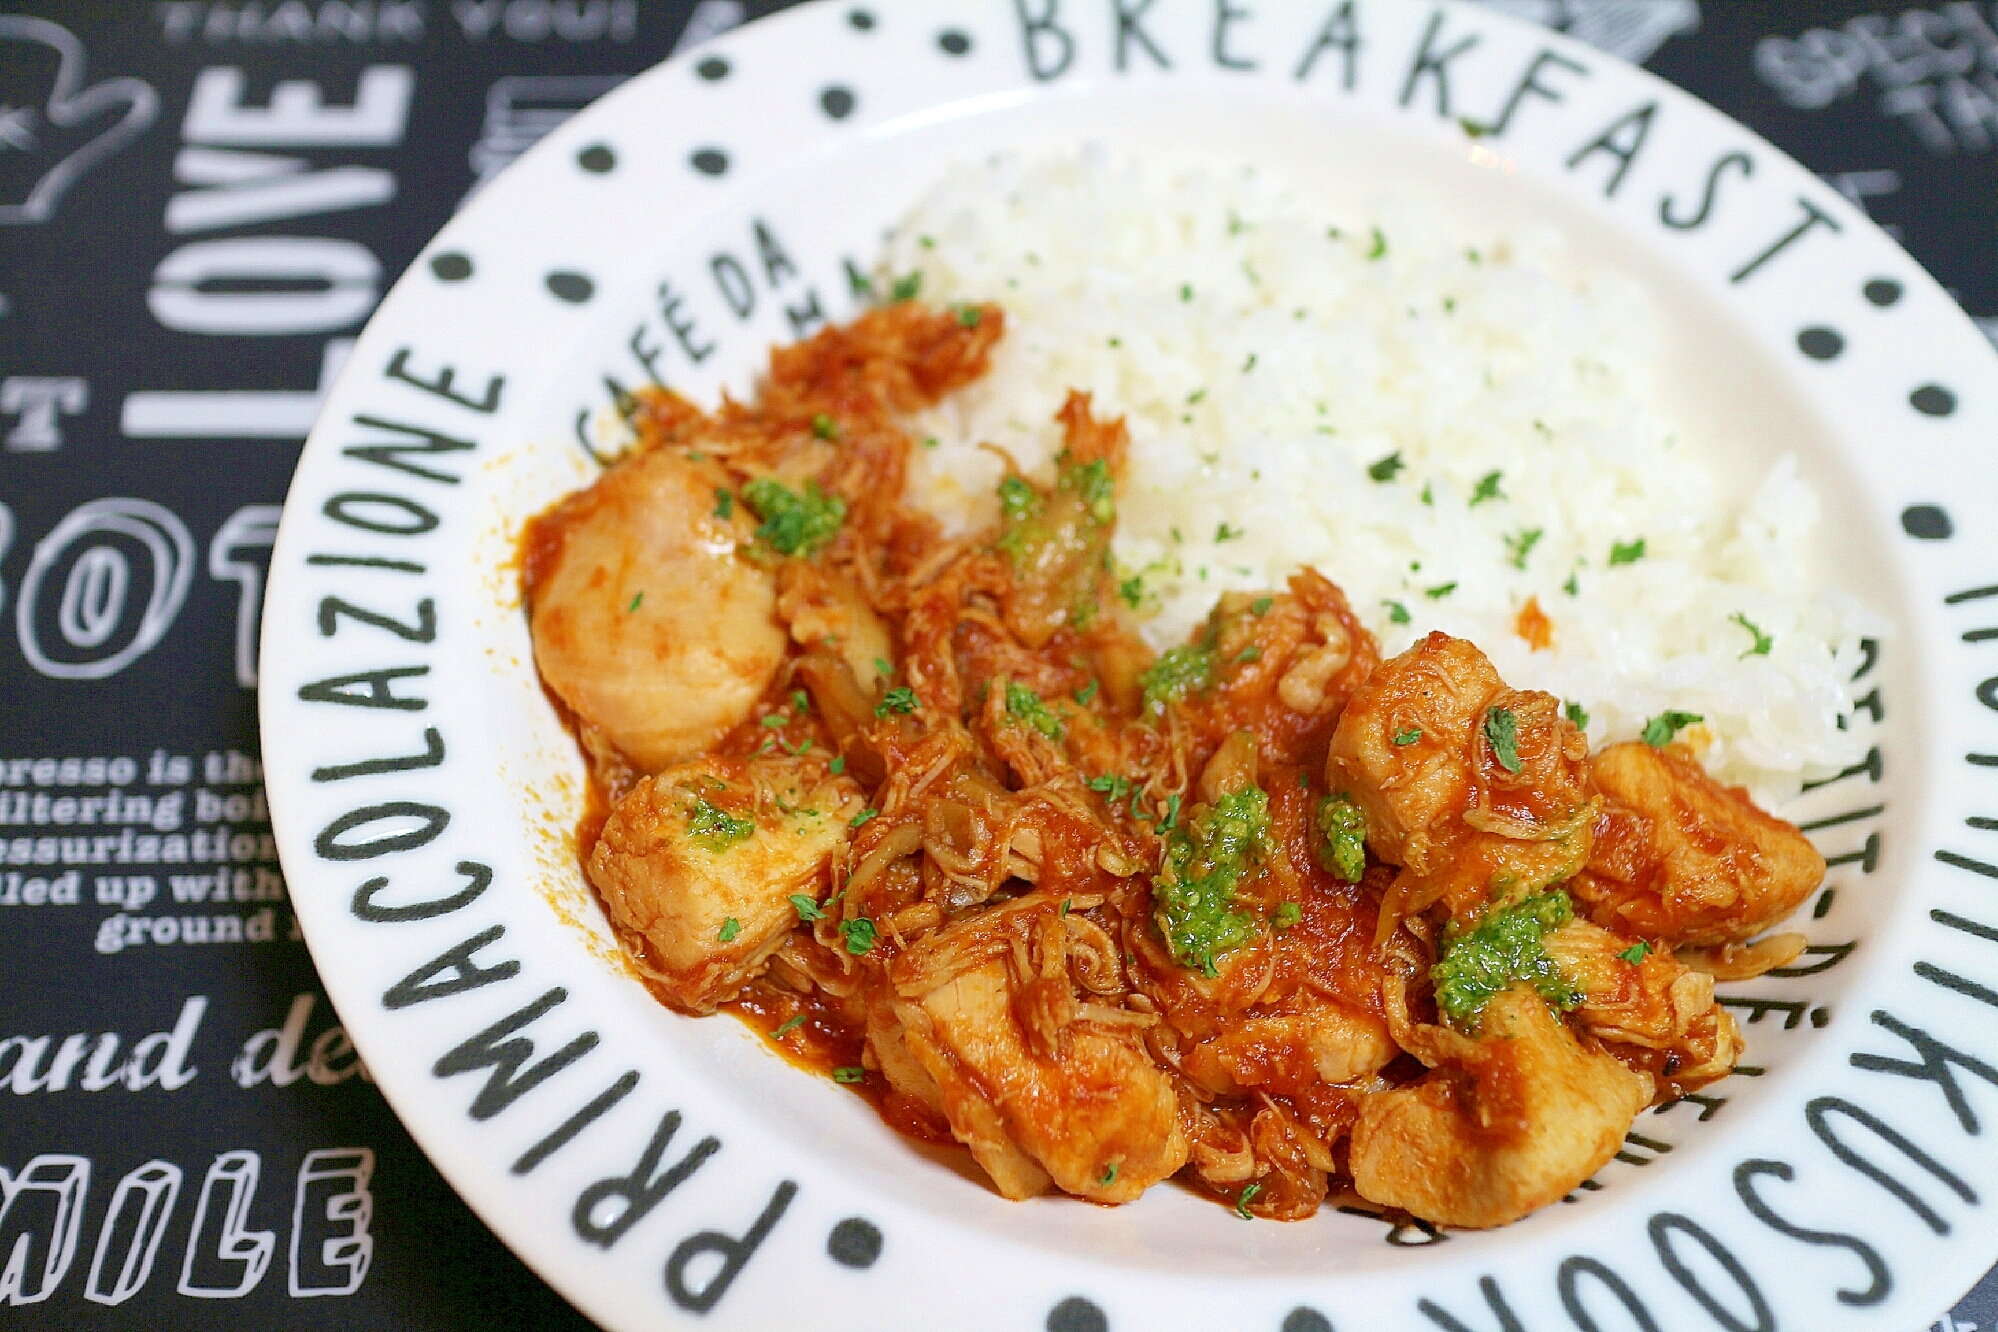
(162, 1033)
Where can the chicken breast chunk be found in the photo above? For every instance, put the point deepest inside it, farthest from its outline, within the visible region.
(1679, 857)
(1480, 792)
(645, 620)
(1042, 1088)
(701, 861)
(1646, 1004)
(1504, 1124)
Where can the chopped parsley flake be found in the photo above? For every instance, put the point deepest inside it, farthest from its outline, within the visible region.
(899, 699)
(790, 1025)
(1658, 732)
(1577, 714)
(1763, 642)
(1502, 951)
(1249, 653)
(1025, 705)
(1261, 606)
(1195, 396)
(1227, 532)
(1109, 1176)
(825, 427)
(794, 524)
(967, 316)
(1112, 787)
(807, 908)
(776, 719)
(1440, 591)
(905, 288)
(881, 667)
(1488, 488)
(859, 934)
(1635, 953)
(1178, 672)
(1408, 737)
(862, 817)
(1194, 892)
(1622, 553)
(1385, 469)
(1502, 733)
(1397, 613)
(930, 442)
(838, 765)
(1186, 291)
(1132, 590)
(715, 828)
(636, 602)
(1344, 851)
(1522, 544)
(1428, 495)
(724, 504)
(1248, 1195)
(1172, 813)
(1573, 587)
(729, 929)
(1286, 915)
(1379, 247)
(848, 1074)
(1084, 694)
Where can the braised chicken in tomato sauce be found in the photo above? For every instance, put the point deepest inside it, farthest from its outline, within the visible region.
(1261, 911)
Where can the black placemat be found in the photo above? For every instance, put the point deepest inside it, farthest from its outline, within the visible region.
(200, 202)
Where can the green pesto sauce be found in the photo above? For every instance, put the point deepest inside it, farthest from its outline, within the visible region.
(794, 524)
(1025, 706)
(715, 828)
(1178, 672)
(1344, 850)
(1504, 950)
(1205, 860)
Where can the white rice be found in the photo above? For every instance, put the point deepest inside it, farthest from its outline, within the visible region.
(1265, 354)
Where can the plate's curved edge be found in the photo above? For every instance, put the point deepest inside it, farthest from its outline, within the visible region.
(365, 800)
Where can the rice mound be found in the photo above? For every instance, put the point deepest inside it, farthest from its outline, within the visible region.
(1403, 406)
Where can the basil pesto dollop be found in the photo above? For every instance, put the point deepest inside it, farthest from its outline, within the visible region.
(1503, 950)
(1344, 826)
(1206, 859)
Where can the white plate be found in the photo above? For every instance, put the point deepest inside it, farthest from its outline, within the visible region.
(426, 813)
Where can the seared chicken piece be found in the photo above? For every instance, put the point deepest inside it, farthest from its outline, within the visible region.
(1480, 792)
(645, 620)
(1678, 856)
(701, 861)
(1403, 749)
(1286, 1053)
(1660, 1013)
(1040, 1087)
(1502, 1124)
